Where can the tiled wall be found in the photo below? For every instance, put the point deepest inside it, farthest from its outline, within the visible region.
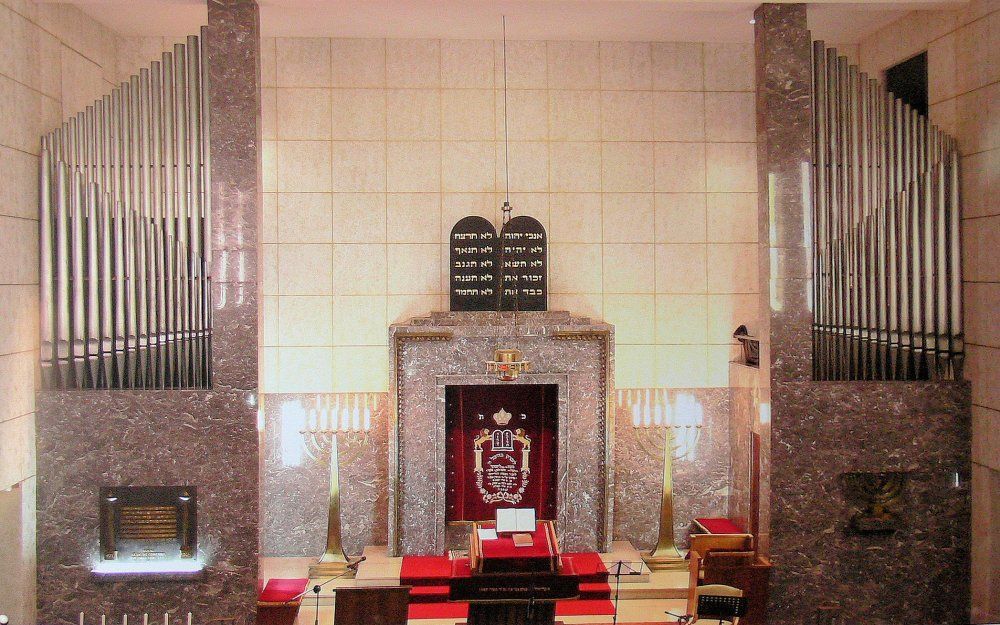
(963, 50)
(54, 60)
(639, 159)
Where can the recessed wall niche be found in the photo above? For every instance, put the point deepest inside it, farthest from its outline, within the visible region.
(146, 525)
(875, 500)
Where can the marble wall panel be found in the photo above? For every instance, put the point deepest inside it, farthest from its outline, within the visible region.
(920, 574)
(144, 438)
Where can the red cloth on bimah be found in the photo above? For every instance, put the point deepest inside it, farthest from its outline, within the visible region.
(502, 556)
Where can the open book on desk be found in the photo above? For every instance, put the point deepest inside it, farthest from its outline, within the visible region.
(515, 520)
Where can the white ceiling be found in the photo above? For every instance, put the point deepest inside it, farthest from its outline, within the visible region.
(608, 20)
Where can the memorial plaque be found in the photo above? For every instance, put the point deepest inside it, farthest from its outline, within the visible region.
(525, 264)
(474, 265)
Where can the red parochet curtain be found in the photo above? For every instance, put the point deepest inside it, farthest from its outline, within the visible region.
(501, 449)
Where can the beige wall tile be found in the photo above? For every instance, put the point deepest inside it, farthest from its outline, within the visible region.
(627, 166)
(269, 113)
(527, 115)
(358, 62)
(729, 311)
(270, 320)
(680, 218)
(359, 217)
(574, 115)
(678, 116)
(983, 364)
(413, 63)
(304, 166)
(731, 167)
(305, 321)
(585, 304)
(82, 82)
(467, 114)
(17, 450)
(984, 422)
(941, 75)
(360, 320)
(628, 268)
(732, 268)
(575, 218)
(359, 166)
(305, 269)
(18, 251)
(24, 115)
(635, 366)
(980, 240)
(730, 116)
(269, 273)
(575, 268)
(414, 268)
(976, 54)
(368, 370)
(976, 112)
(632, 316)
(413, 217)
(305, 218)
(628, 217)
(467, 63)
(413, 114)
(360, 269)
(729, 67)
(681, 268)
(982, 313)
(626, 116)
(305, 114)
(681, 319)
(732, 217)
(529, 166)
(269, 368)
(718, 359)
(455, 206)
(358, 114)
(303, 62)
(19, 193)
(526, 65)
(468, 166)
(679, 167)
(980, 183)
(269, 166)
(413, 166)
(678, 66)
(531, 204)
(405, 307)
(305, 370)
(626, 65)
(19, 315)
(573, 64)
(268, 62)
(575, 166)
(17, 384)
(681, 366)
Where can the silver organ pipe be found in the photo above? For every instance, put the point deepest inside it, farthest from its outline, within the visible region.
(124, 223)
(886, 211)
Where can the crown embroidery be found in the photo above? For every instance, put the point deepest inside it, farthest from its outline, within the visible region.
(502, 417)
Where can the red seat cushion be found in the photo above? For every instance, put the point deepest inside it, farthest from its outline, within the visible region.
(720, 526)
(282, 590)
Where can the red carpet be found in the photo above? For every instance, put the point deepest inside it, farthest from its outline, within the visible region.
(429, 577)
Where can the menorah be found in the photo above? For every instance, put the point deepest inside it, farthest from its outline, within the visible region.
(330, 420)
(681, 423)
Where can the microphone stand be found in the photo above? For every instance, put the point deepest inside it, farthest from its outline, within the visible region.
(618, 582)
(351, 568)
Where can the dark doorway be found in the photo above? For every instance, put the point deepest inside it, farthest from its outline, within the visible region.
(501, 449)
(908, 82)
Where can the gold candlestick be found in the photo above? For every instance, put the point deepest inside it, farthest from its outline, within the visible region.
(666, 556)
(333, 560)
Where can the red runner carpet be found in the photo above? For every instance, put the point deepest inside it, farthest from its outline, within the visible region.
(429, 577)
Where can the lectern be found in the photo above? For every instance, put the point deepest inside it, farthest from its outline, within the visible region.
(506, 584)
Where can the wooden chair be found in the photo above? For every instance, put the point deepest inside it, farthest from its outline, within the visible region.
(717, 603)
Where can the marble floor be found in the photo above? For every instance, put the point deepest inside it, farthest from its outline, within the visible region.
(642, 598)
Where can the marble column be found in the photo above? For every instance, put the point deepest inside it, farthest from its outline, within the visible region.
(815, 432)
(203, 438)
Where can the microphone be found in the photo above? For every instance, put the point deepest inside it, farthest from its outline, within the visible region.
(353, 566)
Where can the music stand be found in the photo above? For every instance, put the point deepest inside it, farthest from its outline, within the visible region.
(722, 607)
(618, 572)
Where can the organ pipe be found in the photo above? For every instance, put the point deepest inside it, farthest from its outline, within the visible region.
(124, 252)
(886, 220)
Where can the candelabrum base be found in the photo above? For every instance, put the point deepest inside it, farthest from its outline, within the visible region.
(328, 566)
(665, 561)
